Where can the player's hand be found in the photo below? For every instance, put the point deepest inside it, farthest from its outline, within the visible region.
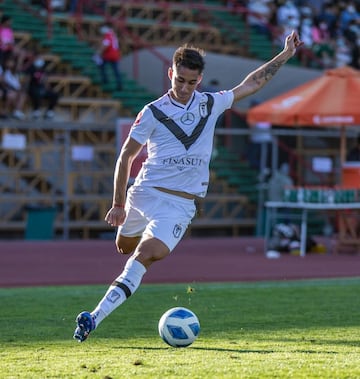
(292, 42)
(115, 216)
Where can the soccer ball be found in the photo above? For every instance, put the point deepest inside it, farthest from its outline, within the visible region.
(179, 327)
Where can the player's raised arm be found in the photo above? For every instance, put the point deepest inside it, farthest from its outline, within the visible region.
(259, 77)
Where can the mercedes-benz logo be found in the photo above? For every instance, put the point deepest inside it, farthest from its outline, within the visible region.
(188, 118)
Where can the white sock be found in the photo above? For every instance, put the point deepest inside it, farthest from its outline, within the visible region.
(123, 287)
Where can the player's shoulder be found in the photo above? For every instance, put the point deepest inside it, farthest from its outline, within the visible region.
(161, 102)
(201, 97)
(221, 97)
(217, 93)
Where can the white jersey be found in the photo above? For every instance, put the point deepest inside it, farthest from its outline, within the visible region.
(179, 140)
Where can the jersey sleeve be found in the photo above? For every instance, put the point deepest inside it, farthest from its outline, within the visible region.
(223, 100)
(143, 126)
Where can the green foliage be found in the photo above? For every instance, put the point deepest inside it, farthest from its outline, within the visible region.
(300, 329)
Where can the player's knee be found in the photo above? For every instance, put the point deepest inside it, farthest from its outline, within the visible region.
(122, 248)
(126, 245)
(147, 255)
(148, 259)
(158, 256)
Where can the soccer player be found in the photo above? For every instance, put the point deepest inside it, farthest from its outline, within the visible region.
(178, 128)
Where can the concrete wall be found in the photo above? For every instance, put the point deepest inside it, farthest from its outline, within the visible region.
(229, 71)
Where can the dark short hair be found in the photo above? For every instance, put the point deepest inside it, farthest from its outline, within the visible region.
(189, 57)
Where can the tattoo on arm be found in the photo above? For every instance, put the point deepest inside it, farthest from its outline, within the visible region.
(267, 72)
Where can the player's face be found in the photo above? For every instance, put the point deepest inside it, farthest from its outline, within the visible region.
(183, 83)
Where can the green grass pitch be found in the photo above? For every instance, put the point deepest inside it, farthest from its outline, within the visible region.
(296, 329)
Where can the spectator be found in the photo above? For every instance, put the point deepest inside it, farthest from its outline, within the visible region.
(9, 98)
(323, 46)
(306, 27)
(14, 89)
(348, 14)
(352, 35)
(3, 93)
(53, 5)
(305, 53)
(329, 15)
(288, 15)
(259, 146)
(278, 182)
(7, 40)
(73, 6)
(259, 16)
(39, 90)
(320, 31)
(288, 19)
(343, 53)
(109, 55)
(8, 48)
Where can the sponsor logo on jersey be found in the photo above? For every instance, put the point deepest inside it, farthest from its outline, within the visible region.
(187, 118)
(182, 162)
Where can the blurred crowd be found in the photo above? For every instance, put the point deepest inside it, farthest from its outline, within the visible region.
(329, 29)
(23, 77)
(25, 92)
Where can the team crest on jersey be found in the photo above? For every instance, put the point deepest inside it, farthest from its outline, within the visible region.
(177, 231)
(203, 109)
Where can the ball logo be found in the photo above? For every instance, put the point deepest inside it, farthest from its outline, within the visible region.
(179, 327)
(188, 118)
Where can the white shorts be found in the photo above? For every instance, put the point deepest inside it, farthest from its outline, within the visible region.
(158, 214)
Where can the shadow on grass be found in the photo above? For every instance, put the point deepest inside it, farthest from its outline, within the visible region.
(241, 351)
(313, 341)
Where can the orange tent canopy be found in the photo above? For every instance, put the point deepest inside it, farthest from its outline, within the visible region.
(330, 100)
